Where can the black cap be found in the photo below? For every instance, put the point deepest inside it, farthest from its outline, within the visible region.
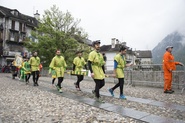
(96, 42)
(122, 48)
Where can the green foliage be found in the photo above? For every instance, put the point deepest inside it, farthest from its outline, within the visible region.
(56, 30)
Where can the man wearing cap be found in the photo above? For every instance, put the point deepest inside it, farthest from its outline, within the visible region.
(96, 67)
(59, 65)
(35, 62)
(78, 64)
(168, 66)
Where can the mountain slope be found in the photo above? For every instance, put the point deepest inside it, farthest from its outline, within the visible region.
(174, 39)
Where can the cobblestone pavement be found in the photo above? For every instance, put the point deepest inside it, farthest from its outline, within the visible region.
(25, 103)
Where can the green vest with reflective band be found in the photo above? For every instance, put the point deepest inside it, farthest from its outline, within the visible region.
(121, 64)
(59, 65)
(79, 63)
(26, 67)
(34, 62)
(97, 62)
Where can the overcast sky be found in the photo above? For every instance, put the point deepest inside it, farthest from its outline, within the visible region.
(142, 24)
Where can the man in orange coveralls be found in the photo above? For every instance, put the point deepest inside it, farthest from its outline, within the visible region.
(168, 66)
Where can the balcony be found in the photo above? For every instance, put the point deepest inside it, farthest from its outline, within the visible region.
(13, 30)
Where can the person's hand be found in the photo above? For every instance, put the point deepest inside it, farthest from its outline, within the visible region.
(114, 75)
(92, 75)
(131, 64)
(181, 64)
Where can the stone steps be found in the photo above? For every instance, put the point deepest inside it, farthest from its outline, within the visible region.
(128, 112)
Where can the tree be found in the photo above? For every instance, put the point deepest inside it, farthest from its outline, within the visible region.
(56, 30)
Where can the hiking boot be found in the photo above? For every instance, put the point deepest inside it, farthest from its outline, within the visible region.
(122, 97)
(78, 89)
(58, 88)
(168, 92)
(37, 84)
(100, 100)
(172, 90)
(27, 82)
(111, 92)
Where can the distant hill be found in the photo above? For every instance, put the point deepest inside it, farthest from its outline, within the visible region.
(174, 39)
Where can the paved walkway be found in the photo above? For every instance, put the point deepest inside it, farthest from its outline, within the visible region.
(139, 106)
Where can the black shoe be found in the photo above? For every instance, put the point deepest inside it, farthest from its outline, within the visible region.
(168, 92)
(34, 84)
(37, 84)
(172, 90)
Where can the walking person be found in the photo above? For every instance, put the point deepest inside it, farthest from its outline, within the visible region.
(13, 69)
(78, 64)
(27, 70)
(119, 65)
(59, 65)
(34, 63)
(169, 65)
(96, 67)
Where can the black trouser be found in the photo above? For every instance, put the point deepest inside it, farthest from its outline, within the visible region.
(35, 75)
(53, 80)
(14, 74)
(60, 79)
(119, 84)
(27, 77)
(98, 86)
(79, 79)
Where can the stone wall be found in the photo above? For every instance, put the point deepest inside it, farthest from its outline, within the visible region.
(142, 78)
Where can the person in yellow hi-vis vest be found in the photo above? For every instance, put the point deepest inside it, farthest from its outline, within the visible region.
(34, 63)
(59, 65)
(27, 70)
(119, 65)
(78, 64)
(96, 67)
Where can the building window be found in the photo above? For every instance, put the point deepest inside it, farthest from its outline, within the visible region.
(13, 24)
(20, 27)
(24, 28)
(1, 36)
(21, 37)
(12, 36)
(16, 13)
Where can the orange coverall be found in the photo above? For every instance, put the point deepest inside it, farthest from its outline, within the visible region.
(168, 64)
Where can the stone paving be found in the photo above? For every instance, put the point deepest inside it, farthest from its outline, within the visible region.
(25, 103)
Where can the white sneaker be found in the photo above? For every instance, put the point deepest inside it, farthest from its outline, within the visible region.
(60, 90)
